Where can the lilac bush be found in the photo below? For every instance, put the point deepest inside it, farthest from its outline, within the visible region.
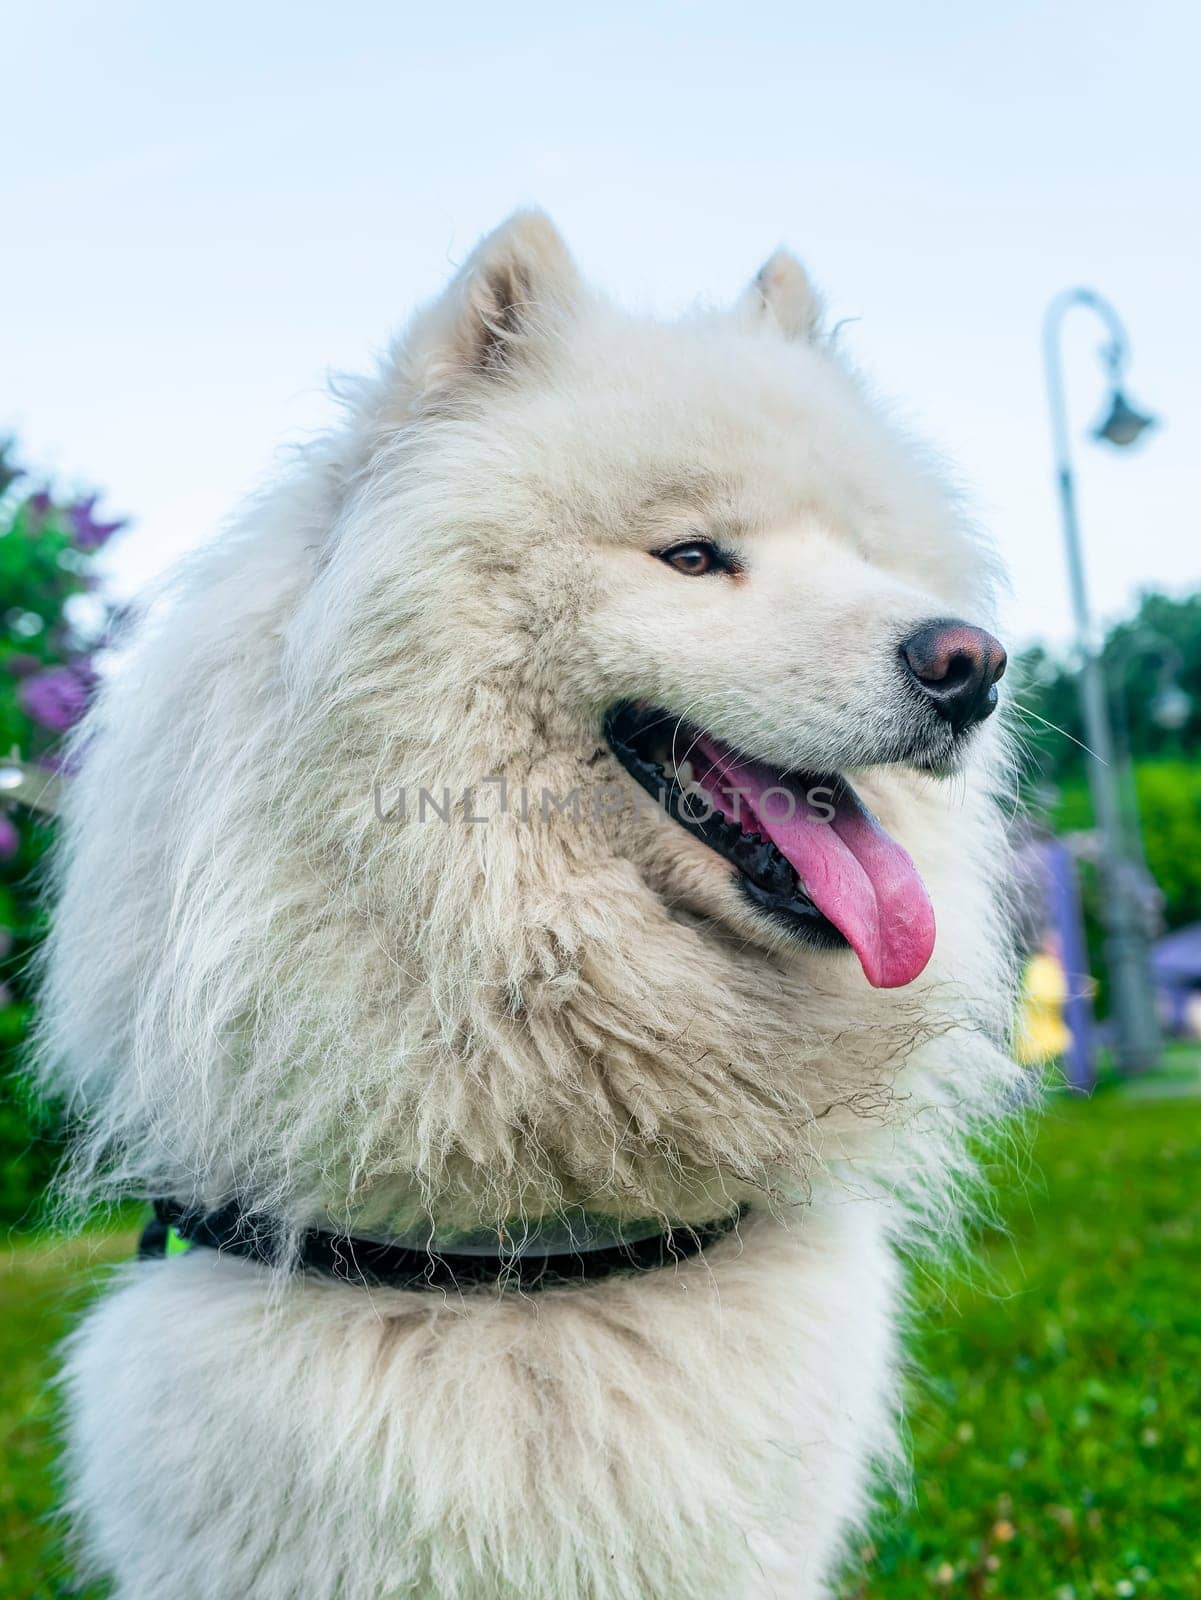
(48, 545)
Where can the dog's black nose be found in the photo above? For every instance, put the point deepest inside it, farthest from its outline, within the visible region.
(956, 667)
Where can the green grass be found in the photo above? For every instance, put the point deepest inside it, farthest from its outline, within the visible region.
(1057, 1434)
(1057, 1437)
(43, 1284)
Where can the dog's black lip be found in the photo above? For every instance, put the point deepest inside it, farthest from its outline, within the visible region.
(766, 877)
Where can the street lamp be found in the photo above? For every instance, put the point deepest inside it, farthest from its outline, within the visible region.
(1138, 1036)
(1124, 424)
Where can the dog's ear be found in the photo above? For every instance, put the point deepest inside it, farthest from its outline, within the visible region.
(781, 291)
(499, 313)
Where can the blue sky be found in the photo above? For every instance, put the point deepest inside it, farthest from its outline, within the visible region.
(208, 209)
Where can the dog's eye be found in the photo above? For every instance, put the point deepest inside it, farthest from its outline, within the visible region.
(695, 558)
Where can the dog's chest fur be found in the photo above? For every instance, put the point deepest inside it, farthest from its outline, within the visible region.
(702, 1432)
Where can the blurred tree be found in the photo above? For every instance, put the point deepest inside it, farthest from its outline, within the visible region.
(1164, 632)
(1158, 647)
(1169, 804)
(52, 622)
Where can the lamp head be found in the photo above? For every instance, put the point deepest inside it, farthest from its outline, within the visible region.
(1171, 707)
(1124, 424)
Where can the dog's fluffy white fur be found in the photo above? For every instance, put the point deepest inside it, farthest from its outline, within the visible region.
(258, 988)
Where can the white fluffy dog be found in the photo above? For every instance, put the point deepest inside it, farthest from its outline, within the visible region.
(685, 651)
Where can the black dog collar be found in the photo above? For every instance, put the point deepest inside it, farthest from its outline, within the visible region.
(369, 1263)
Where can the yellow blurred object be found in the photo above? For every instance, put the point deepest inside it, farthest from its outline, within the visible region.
(1042, 1033)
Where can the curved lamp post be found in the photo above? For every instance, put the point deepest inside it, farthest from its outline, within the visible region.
(1138, 1036)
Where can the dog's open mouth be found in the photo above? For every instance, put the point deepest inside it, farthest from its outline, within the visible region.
(806, 850)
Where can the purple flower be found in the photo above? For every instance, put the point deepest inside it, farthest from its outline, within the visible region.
(38, 508)
(10, 843)
(21, 664)
(58, 697)
(89, 533)
(83, 669)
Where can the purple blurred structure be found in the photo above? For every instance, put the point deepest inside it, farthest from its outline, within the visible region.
(1063, 906)
(1176, 967)
(1048, 903)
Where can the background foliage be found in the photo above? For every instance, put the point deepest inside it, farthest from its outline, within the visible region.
(1155, 653)
(1133, 655)
(52, 623)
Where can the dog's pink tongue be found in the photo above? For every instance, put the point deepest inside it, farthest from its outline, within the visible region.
(855, 874)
